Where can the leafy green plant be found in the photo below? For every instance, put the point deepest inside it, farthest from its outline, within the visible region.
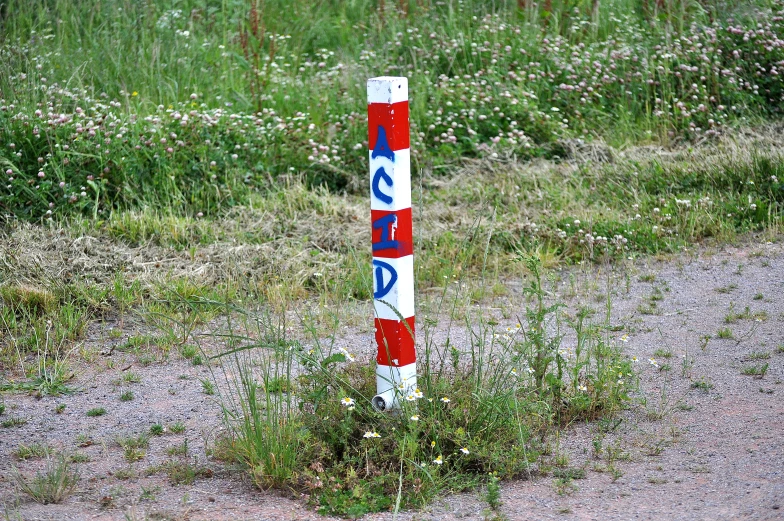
(97, 411)
(493, 492)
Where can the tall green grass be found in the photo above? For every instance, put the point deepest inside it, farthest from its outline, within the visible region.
(194, 105)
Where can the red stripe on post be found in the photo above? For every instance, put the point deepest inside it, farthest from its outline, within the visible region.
(394, 118)
(395, 342)
(392, 233)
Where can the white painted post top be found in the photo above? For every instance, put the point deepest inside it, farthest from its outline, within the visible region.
(387, 89)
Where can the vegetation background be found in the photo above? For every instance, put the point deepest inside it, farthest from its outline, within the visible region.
(232, 134)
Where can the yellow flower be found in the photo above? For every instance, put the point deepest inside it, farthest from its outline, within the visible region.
(465, 450)
(439, 460)
(432, 444)
(371, 434)
(135, 94)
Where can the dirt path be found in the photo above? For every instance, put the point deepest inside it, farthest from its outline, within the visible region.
(706, 442)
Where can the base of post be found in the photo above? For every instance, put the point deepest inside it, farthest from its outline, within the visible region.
(392, 385)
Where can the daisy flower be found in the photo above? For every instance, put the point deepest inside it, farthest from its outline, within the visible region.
(439, 460)
(347, 402)
(465, 450)
(371, 434)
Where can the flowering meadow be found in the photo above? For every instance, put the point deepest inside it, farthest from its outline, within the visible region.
(192, 105)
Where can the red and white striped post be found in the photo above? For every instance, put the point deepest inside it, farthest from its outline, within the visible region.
(392, 237)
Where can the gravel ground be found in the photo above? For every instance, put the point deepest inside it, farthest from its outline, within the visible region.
(704, 441)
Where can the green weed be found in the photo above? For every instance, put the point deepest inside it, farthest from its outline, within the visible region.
(52, 485)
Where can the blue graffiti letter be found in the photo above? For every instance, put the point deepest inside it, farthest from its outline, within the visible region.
(381, 174)
(382, 147)
(383, 224)
(382, 290)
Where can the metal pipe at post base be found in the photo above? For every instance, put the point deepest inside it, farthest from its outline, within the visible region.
(392, 238)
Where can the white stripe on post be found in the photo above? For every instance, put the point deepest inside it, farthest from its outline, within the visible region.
(392, 237)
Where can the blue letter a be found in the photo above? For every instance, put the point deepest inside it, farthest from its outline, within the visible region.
(382, 147)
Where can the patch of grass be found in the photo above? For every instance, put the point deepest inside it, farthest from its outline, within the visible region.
(178, 450)
(131, 377)
(97, 411)
(207, 387)
(733, 315)
(569, 473)
(177, 428)
(134, 447)
(662, 353)
(156, 430)
(13, 422)
(127, 396)
(757, 370)
(724, 333)
(758, 355)
(78, 457)
(53, 485)
(34, 450)
(148, 494)
(185, 472)
(188, 351)
(758, 296)
(702, 385)
(728, 288)
(125, 473)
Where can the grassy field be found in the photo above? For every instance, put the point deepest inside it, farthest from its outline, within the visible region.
(170, 164)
